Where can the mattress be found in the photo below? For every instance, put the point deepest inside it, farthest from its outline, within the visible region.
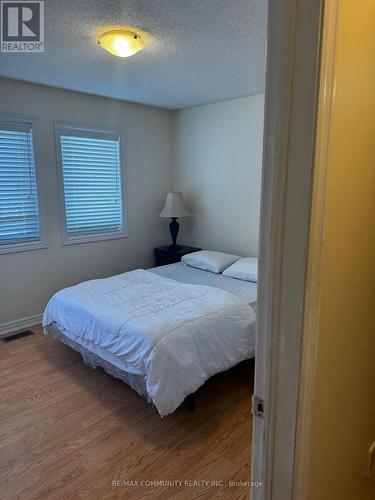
(246, 290)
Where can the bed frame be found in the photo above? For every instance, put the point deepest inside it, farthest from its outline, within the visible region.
(191, 401)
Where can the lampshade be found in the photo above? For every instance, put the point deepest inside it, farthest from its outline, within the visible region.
(175, 206)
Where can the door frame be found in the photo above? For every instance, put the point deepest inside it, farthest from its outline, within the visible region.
(309, 350)
(292, 87)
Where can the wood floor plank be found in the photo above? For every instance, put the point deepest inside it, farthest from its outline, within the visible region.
(69, 431)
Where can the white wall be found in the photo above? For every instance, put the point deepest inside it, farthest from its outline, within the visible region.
(217, 156)
(28, 279)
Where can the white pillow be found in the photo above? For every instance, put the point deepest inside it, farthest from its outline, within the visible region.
(244, 269)
(215, 262)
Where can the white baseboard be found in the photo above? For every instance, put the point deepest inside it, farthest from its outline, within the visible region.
(13, 326)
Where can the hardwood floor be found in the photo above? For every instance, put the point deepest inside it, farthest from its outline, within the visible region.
(68, 432)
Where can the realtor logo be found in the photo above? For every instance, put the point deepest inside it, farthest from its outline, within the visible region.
(22, 26)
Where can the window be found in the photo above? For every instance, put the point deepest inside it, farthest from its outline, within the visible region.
(20, 227)
(90, 184)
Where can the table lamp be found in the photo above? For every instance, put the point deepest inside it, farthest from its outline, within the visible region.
(174, 207)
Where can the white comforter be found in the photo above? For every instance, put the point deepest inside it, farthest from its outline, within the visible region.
(175, 335)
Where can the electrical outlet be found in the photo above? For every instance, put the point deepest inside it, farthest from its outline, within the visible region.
(371, 460)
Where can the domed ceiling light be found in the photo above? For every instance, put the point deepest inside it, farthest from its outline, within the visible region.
(121, 43)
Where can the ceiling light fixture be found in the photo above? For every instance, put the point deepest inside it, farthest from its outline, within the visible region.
(121, 43)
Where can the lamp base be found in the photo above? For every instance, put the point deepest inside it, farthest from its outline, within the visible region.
(174, 227)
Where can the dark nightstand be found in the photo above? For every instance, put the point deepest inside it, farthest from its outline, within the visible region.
(169, 255)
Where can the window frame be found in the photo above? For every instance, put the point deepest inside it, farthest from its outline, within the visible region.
(41, 241)
(87, 131)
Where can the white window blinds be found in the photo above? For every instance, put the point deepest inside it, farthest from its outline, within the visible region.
(91, 173)
(19, 215)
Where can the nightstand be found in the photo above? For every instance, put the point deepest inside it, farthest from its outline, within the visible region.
(169, 255)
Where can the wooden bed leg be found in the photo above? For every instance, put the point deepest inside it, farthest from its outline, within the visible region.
(191, 402)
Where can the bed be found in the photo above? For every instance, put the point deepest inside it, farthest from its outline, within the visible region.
(164, 331)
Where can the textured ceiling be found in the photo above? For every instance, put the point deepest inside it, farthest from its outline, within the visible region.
(198, 51)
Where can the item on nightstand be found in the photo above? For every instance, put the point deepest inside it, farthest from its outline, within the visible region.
(174, 207)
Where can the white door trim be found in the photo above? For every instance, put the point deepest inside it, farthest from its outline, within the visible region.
(294, 39)
(312, 294)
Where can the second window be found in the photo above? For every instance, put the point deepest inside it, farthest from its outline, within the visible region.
(90, 183)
